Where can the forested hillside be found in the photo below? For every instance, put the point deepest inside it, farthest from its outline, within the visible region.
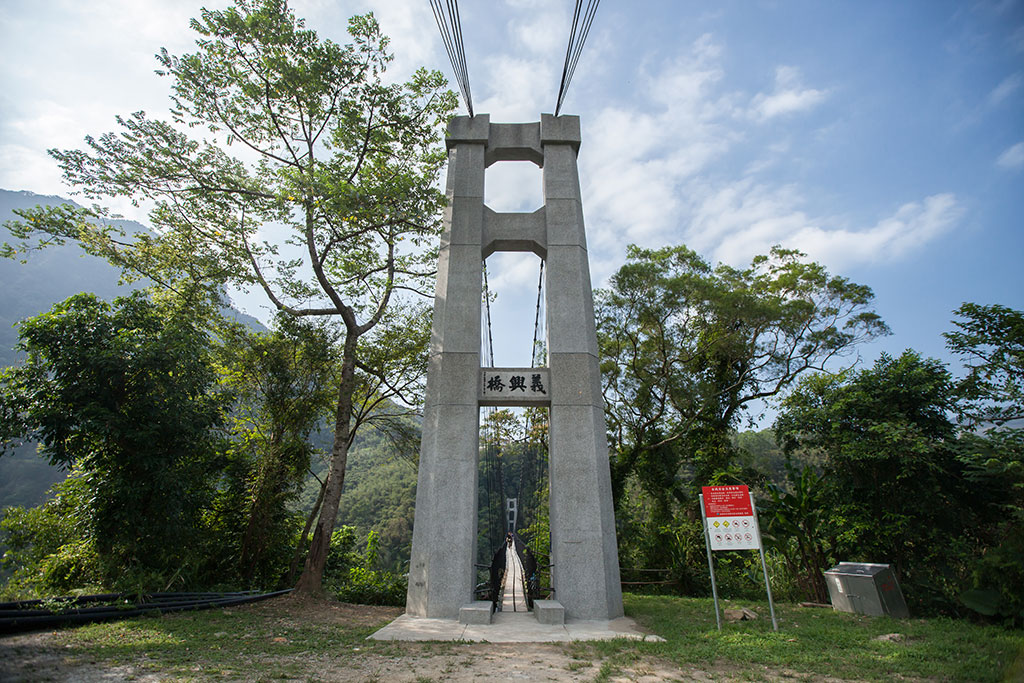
(46, 277)
(32, 283)
(35, 281)
(380, 493)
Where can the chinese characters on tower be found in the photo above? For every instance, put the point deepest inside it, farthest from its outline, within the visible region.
(514, 386)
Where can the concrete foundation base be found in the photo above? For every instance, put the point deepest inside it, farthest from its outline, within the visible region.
(510, 627)
(478, 612)
(549, 611)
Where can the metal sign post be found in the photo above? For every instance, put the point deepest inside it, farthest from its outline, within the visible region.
(730, 523)
(764, 567)
(711, 565)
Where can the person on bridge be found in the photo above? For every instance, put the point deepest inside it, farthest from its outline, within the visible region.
(497, 578)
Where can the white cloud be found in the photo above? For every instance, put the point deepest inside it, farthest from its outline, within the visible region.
(510, 91)
(1012, 157)
(68, 78)
(652, 165)
(511, 273)
(514, 186)
(1007, 87)
(512, 279)
(735, 221)
(654, 176)
(527, 4)
(72, 76)
(633, 171)
(686, 82)
(738, 221)
(788, 97)
(642, 176)
(1016, 39)
(912, 226)
(544, 30)
(23, 168)
(409, 24)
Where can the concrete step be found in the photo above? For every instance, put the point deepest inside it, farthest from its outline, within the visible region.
(549, 611)
(476, 612)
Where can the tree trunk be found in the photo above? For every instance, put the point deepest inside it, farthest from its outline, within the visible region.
(312, 576)
(294, 566)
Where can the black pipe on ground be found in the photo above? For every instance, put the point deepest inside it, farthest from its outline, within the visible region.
(17, 619)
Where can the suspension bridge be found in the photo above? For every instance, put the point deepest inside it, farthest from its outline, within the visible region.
(470, 500)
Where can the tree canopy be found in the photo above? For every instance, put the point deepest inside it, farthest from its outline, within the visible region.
(121, 393)
(990, 341)
(686, 348)
(326, 153)
(902, 483)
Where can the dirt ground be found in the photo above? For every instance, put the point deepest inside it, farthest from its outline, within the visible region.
(43, 656)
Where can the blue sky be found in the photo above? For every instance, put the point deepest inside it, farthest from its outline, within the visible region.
(884, 139)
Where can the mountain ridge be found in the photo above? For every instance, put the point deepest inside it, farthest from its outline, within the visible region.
(49, 276)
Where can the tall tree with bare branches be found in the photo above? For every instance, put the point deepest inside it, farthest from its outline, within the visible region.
(289, 164)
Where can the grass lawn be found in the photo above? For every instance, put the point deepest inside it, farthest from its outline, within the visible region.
(822, 642)
(289, 639)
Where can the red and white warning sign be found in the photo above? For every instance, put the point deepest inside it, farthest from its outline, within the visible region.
(730, 518)
(731, 524)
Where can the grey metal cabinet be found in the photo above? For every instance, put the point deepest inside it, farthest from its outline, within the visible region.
(864, 588)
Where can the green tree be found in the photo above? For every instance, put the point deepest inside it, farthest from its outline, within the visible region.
(48, 547)
(896, 490)
(995, 471)
(355, 577)
(122, 393)
(688, 348)
(341, 160)
(796, 524)
(990, 342)
(380, 495)
(758, 451)
(283, 384)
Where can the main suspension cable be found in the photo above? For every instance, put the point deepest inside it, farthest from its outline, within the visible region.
(577, 37)
(536, 317)
(450, 25)
(490, 431)
(489, 348)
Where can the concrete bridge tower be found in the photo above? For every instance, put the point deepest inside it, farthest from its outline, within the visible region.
(442, 572)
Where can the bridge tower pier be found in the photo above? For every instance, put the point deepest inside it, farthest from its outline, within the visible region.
(442, 571)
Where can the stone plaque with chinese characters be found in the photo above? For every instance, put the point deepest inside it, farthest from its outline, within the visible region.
(515, 386)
